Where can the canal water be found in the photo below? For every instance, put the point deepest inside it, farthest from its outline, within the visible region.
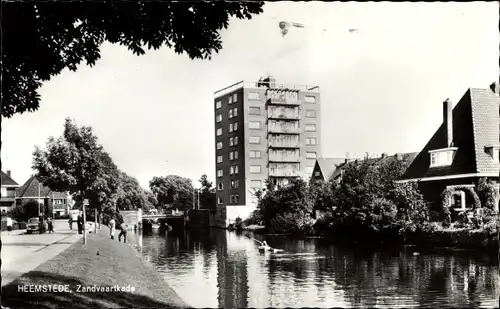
(217, 268)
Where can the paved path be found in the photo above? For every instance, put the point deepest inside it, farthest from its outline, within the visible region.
(22, 253)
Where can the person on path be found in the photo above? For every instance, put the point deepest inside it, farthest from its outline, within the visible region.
(70, 222)
(51, 225)
(112, 228)
(123, 229)
(45, 225)
(9, 224)
(79, 222)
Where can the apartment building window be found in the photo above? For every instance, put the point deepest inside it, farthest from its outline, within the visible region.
(218, 118)
(254, 96)
(219, 145)
(310, 99)
(255, 154)
(310, 155)
(219, 159)
(236, 154)
(255, 169)
(230, 99)
(255, 184)
(311, 141)
(219, 131)
(219, 173)
(230, 114)
(236, 169)
(254, 125)
(231, 141)
(235, 98)
(311, 127)
(236, 198)
(254, 110)
(218, 104)
(231, 156)
(220, 200)
(220, 186)
(235, 112)
(235, 140)
(231, 170)
(254, 140)
(230, 199)
(311, 113)
(233, 127)
(235, 184)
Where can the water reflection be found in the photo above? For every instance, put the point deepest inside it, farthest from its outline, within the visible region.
(216, 268)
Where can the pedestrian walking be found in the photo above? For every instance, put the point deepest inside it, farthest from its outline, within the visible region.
(9, 224)
(79, 222)
(112, 228)
(70, 222)
(40, 225)
(51, 225)
(45, 225)
(123, 229)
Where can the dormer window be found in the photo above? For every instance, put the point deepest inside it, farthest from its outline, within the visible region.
(493, 151)
(442, 157)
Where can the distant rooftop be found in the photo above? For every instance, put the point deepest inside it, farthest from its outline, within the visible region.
(264, 84)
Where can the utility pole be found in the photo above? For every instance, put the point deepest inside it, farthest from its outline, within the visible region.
(84, 222)
(198, 199)
(39, 213)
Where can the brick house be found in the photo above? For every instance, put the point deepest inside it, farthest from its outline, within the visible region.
(9, 186)
(464, 149)
(32, 189)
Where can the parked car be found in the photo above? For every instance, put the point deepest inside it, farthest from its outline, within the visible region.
(33, 225)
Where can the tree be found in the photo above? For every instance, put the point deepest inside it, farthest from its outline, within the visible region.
(151, 201)
(28, 209)
(207, 193)
(41, 39)
(130, 195)
(173, 192)
(76, 163)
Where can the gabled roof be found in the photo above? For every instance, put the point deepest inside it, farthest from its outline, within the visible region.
(476, 123)
(6, 180)
(30, 189)
(408, 157)
(329, 165)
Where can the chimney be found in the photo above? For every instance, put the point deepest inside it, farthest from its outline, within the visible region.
(494, 87)
(448, 122)
(346, 157)
(8, 173)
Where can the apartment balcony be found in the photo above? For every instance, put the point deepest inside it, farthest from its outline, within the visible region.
(276, 172)
(279, 143)
(292, 156)
(284, 169)
(285, 127)
(283, 113)
(282, 101)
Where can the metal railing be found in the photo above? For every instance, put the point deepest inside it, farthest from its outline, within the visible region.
(264, 85)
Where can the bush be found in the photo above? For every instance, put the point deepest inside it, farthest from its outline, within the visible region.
(238, 223)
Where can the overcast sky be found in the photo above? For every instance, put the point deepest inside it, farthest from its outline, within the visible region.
(382, 87)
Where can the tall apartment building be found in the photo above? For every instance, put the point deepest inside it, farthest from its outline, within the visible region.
(262, 130)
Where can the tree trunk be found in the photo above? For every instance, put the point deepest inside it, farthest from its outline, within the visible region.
(95, 220)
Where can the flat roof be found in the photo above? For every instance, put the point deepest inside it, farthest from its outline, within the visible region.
(255, 85)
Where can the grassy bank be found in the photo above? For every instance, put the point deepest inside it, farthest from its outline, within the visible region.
(101, 263)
